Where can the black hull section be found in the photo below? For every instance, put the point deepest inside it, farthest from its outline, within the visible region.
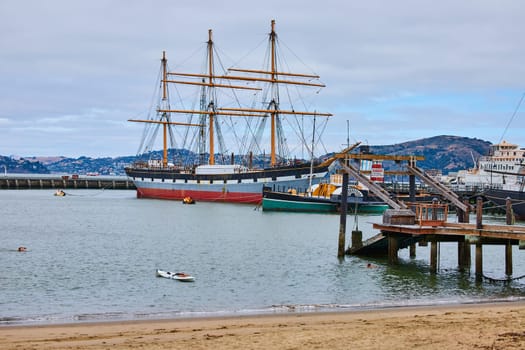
(293, 197)
(171, 174)
(268, 193)
(499, 197)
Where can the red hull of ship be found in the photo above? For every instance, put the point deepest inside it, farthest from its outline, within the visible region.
(208, 196)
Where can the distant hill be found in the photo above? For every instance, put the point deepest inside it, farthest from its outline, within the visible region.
(445, 153)
(22, 166)
(85, 165)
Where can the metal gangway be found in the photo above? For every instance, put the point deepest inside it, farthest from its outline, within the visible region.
(377, 190)
(442, 189)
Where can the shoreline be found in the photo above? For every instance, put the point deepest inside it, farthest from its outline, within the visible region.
(95, 318)
(499, 325)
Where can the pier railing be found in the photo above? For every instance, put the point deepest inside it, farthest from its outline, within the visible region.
(431, 214)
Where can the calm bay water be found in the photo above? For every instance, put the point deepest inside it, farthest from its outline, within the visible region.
(92, 256)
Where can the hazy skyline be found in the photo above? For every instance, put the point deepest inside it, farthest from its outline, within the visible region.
(73, 73)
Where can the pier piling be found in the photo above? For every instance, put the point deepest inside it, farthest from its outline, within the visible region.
(464, 257)
(509, 211)
(412, 249)
(508, 258)
(392, 249)
(479, 245)
(508, 246)
(479, 261)
(433, 255)
(463, 254)
(479, 213)
(342, 221)
(357, 239)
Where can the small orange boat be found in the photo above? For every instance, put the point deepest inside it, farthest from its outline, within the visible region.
(188, 200)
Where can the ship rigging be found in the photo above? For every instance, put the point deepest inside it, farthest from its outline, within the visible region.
(239, 102)
(210, 118)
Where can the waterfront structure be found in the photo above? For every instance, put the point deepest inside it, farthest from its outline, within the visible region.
(58, 181)
(502, 166)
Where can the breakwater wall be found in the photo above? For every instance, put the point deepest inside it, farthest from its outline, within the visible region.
(45, 181)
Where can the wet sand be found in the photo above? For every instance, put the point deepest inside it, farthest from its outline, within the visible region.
(482, 326)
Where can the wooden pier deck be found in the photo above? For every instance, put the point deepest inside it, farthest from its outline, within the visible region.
(485, 233)
(448, 232)
(404, 229)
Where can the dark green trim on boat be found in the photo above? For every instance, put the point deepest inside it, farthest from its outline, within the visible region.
(287, 205)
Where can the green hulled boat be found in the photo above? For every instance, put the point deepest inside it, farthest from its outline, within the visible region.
(278, 201)
(291, 202)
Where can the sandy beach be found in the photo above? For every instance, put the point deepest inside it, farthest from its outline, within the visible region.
(485, 326)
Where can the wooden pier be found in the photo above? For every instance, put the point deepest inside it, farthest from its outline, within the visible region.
(404, 229)
(409, 224)
(30, 181)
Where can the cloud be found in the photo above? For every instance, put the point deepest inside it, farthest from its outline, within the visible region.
(396, 70)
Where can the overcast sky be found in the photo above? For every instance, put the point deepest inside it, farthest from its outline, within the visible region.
(73, 72)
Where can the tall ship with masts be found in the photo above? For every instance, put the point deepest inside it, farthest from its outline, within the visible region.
(221, 174)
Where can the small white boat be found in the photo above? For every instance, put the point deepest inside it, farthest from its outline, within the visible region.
(179, 276)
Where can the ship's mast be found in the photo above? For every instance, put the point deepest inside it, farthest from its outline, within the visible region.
(272, 77)
(164, 99)
(274, 86)
(208, 81)
(165, 120)
(211, 105)
(164, 76)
